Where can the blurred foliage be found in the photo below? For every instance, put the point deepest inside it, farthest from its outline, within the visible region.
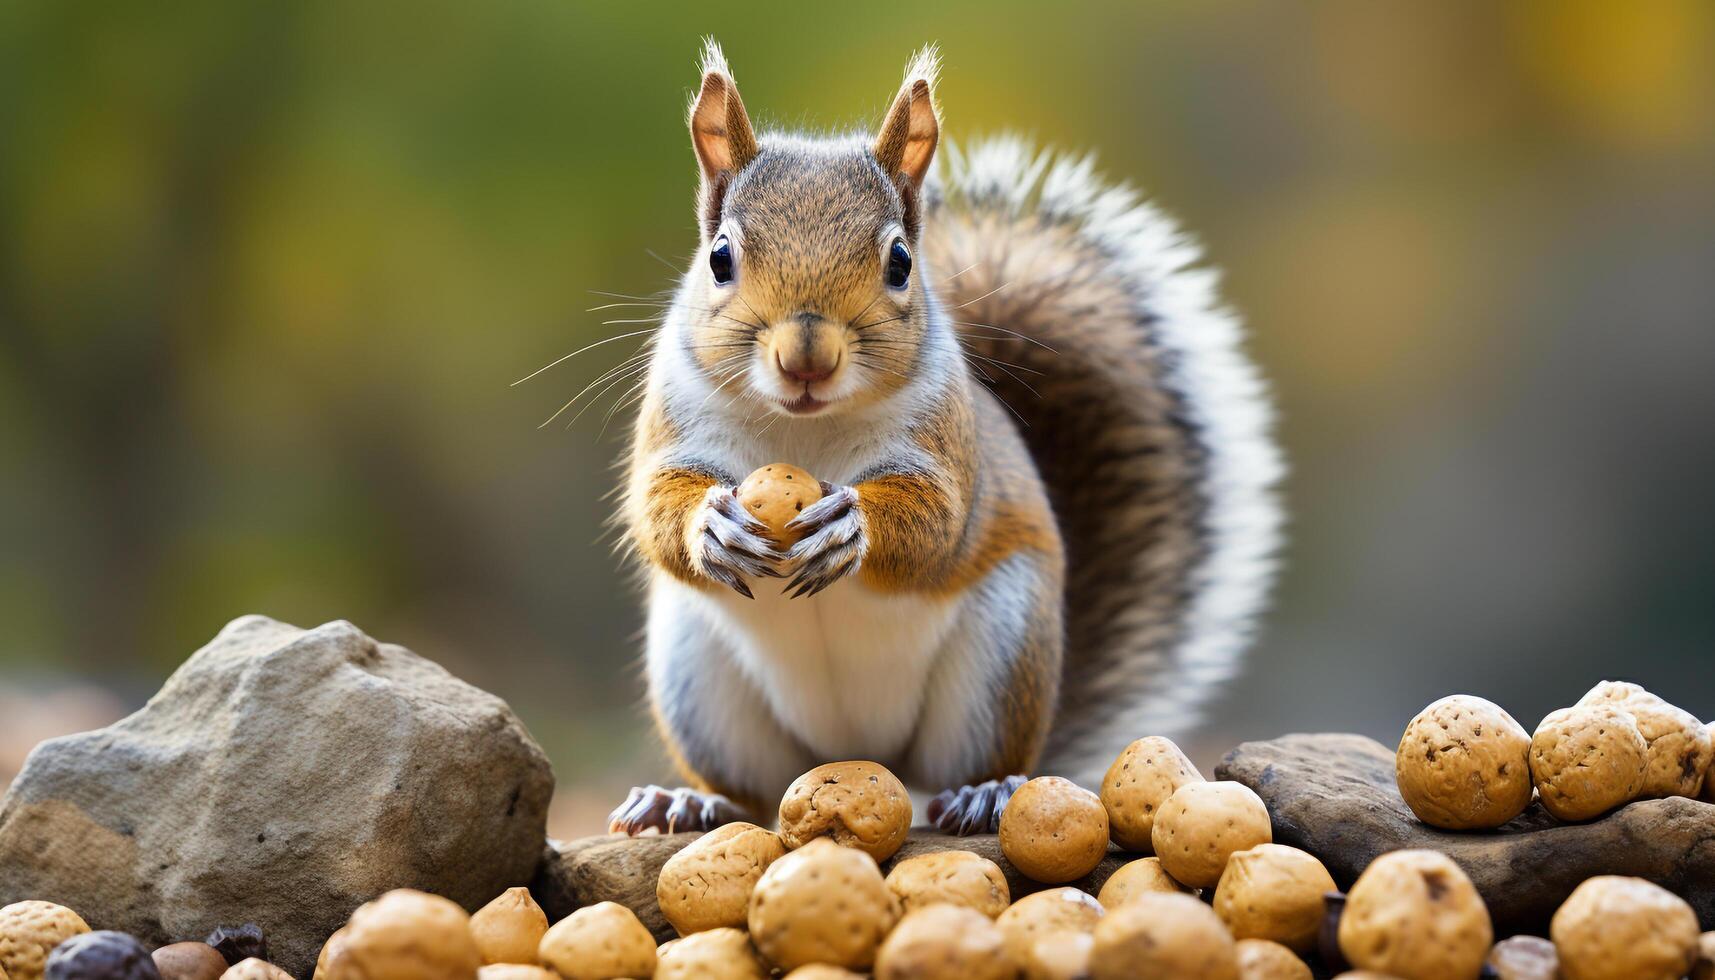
(268, 269)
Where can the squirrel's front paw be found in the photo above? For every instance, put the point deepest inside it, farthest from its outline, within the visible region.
(833, 542)
(728, 544)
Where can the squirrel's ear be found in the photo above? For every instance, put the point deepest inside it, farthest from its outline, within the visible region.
(720, 131)
(906, 144)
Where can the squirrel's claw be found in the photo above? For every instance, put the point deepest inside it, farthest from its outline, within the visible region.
(731, 545)
(654, 810)
(973, 809)
(833, 545)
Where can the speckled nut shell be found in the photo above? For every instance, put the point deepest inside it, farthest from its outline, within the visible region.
(254, 969)
(1058, 956)
(708, 884)
(775, 494)
(1202, 824)
(1616, 928)
(822, 971)
(598, 942)
(1260, 959)
(1415, 915)
(953, 877)
(1463, 764)
(1138, 782)
(1587, 760)
(1679, 745)
(333, 949)
(1044, 914)
(1705, 968)
(1141, 877)
(1163, 935)
(1054, 830)
(509, 928)
(822, 903)
(189, 961)
(29, 931)
(858, 804)
(1524, 958)
(407, 935)
(944, 942)
(713, 954)
(1275, 892)
(515, 971)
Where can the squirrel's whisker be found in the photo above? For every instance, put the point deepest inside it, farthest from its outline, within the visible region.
(561, 360)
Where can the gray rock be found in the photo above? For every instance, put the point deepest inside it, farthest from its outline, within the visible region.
(1335, 796)
(624, 870)
(283, 777)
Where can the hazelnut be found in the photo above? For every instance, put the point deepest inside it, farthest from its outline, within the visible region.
(1464, 764)
(1059, 956)
(775, 494)
(1679, 744)
(954, 877)
(944, 942)
(1524, 958)
(406, 935)
(1616, 928)
(1202, 824)
(822, 903)
(1044, 914)
(1138, 782)
(515, 971)
(598, 942)
(1587, 760)
(189, 961)
(708, 884)
(1705, 968)
(1414, 914)
(1054, 830)
(1163, 935)
(1260, 959)
(1272, 891)
(238, 943)
(510, 928)
(333, 949)
(858, 804)
(254, 969)
(1364, 975)
(1139, 877)
(103, 955)
(822, 971)
(29, 931)
(713, 954)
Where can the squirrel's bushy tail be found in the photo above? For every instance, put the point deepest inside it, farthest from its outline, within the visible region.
(1085, 310)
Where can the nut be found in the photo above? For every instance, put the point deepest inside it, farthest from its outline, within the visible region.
(1163, 935)
(1054, 830)
(954, 877)
(238, 943)
(1202, 824)
(822, 971)
(858, 804)
(332, 950)
(29, 930)
(1414, 914)
(944, 942)
(708, 884)
(1616, 928)
(252, 968)
(189, 961)
(1138, 782)
(515, 971)
(103, 955)
(510, 928)
(1705, 968)
(1524, 958)
(822, 903)
(598, 942)
(1059, 956)
(406, 935)
(1140, 877)
(1274, 892)
(775, 494)
(1679, 745)
(1260, 959)
(713, 954)
(1464, 764)
(1588, 759)
(1045, 913)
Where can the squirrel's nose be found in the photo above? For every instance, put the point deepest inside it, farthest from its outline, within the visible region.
(805, 371)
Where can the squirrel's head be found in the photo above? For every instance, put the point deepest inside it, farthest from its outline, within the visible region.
(807, 292)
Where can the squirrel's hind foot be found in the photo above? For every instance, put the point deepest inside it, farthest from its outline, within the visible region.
(656, 810)
(973, 809)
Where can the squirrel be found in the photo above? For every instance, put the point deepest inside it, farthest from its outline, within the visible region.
(1048, 519)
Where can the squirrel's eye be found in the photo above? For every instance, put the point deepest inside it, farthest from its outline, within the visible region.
(720, 260)
(898, 264)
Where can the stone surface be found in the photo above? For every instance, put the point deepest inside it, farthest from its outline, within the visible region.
(282, 777)
(1334, 796)
(625, 869)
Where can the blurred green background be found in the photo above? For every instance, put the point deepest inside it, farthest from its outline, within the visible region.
(268, 269)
